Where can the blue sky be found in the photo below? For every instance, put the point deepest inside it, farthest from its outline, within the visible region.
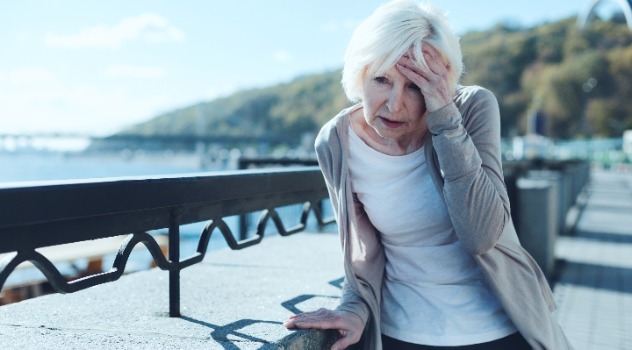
(99, 66)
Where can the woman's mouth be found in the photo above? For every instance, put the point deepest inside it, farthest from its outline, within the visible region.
(390, 123)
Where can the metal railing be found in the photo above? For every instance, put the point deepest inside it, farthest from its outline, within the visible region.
(39, 215)
(265, 162)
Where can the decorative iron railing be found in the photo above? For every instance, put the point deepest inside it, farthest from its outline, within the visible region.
(39, 215)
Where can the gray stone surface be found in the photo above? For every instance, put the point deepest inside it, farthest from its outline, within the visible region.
(594, 288)
(233, 300)
(538, 206)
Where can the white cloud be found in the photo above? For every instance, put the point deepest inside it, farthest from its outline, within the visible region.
(282, 56)
(339, 25)
(147, 27)
(131, 71)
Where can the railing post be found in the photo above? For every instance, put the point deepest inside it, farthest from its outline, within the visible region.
(242, 164)
(243, 226)
(174, 258)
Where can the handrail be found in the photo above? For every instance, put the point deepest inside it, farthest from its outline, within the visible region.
(261, 162)
(36, 215)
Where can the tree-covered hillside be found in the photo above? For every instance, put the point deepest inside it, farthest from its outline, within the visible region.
(286, 110)
(581, 81)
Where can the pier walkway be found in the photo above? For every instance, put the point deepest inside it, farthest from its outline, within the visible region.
(594, 273)
(238, 299)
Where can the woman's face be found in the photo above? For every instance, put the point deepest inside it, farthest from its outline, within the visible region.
(393, 106)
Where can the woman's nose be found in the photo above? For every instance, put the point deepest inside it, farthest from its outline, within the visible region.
(396, 99)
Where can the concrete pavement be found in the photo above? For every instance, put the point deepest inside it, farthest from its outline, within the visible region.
(233, 300)
(594, 277)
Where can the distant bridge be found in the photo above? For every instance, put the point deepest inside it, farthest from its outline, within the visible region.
(47, 135)
(625, 5)
(140, 139)
(192, 139)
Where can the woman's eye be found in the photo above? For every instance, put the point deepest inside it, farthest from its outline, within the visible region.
(414, 87)
(381, 80)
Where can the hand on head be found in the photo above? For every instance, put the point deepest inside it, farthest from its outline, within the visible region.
(433, 80)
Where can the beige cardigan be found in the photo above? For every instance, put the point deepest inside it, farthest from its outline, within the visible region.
(464, 154)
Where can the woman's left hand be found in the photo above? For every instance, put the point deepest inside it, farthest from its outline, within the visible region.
(432, 81)
(348, 324)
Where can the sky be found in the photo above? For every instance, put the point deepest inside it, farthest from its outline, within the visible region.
(97, 67)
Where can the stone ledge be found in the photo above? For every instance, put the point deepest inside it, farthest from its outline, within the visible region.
(232, 300)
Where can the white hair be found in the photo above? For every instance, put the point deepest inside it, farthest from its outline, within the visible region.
(386, 35)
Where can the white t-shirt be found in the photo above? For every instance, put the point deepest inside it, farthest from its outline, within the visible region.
(434, 292)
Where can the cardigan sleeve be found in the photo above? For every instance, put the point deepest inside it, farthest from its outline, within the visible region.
(326, 149)
(325, 157)
(467, 144)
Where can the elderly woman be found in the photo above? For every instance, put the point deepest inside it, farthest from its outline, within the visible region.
(431, 256)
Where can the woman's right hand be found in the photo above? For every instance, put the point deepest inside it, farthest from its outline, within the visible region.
(349, 325)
